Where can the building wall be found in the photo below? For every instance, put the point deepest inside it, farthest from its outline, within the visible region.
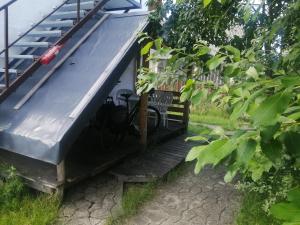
(127, 80)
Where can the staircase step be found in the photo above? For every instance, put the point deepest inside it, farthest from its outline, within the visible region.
(33, 44)
(47, 33)
(2, 86)
(21, 57)
(9, 71)
(58, 23)
(75, 1)
(67, 15)
(83, 6)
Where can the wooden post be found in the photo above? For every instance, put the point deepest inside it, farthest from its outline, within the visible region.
(186, 115)
(143, 120)
(61, 177)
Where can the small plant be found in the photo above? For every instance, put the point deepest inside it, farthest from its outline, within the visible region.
(21, 206)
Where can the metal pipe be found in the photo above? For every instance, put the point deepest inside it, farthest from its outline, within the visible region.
(6, 63)
(7, 4)
(78, 11)
(14, 42)
(31, 69)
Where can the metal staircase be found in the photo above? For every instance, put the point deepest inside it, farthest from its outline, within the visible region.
(53, 30)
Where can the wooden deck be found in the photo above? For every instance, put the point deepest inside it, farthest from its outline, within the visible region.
(155, 163)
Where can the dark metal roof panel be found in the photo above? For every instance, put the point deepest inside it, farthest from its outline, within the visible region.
(46, 125)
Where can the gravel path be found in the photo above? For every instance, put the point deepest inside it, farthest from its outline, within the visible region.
(91, 202)
(190, 199)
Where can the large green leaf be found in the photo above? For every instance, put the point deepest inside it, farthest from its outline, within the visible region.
(245, 151)
(194, 153)
(267, 133)
(273, 150)
(244, 154)
(212, 153)
(236, 53)
(145, 50)
(242, 108)
(286, 211)
(294, 196)
(203, 51)
(292, 143)
(269, 111)
(214, 62)
(252, 72)
(206, 2)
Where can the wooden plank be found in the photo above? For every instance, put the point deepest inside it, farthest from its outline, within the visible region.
(143, 113)
(61, 173)
(177, 101)
(176, 109)
(153, 164)
(175, 117)
(186, 114)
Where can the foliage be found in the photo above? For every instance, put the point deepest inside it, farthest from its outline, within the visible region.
(186, 22)
(289, 211)
(250, 212)
(19, 206)
(261, 88)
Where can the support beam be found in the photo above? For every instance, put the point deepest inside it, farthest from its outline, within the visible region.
(61, 178)
(143, 120)
(61, 173)
(186, 115)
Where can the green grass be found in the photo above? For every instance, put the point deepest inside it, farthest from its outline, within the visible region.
(135, 195)
(21, 206)
(251, 212)
(209, 113)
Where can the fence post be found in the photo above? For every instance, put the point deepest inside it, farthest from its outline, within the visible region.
(143, 120)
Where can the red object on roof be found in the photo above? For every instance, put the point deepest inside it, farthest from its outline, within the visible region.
(50, 54)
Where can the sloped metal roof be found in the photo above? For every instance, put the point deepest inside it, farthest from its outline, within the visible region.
(45, 126)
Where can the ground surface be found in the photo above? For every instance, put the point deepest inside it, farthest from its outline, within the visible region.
(188, 200)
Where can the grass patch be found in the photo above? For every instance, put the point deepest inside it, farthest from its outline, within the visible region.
(209, 113)
(21, 206)
(251, 212)
(135, 195)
